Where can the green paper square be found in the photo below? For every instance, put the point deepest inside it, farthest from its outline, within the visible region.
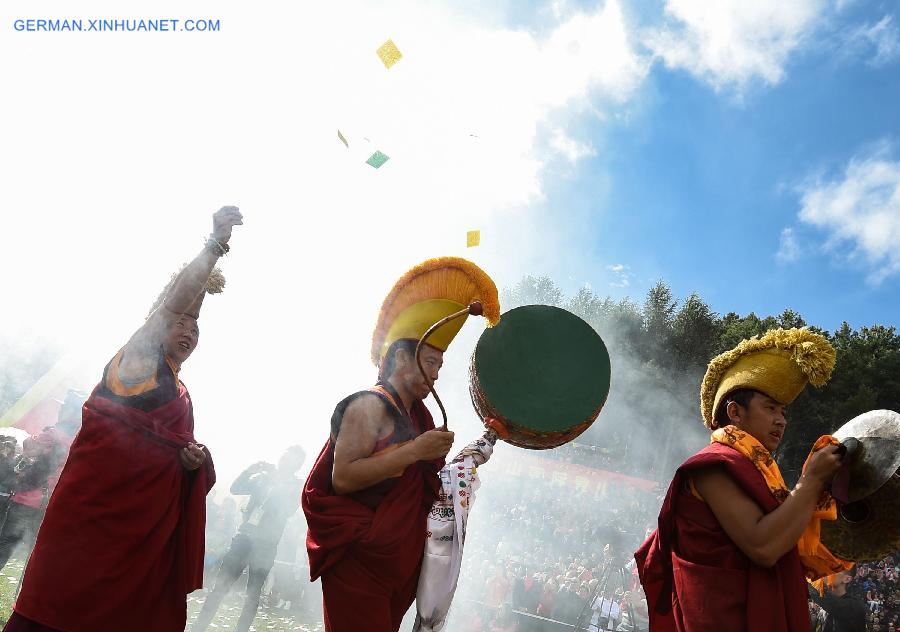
(377, 159)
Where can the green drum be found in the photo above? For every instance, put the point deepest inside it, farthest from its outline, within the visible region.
(540, 377)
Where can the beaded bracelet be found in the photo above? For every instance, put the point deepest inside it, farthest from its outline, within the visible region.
(218, 248)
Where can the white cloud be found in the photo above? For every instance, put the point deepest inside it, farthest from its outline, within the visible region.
(861, 210)
(880, 42)
(622, 274)
(590, 51)
(729, 43)
(571, 149)
(124, 145)
(788, 248)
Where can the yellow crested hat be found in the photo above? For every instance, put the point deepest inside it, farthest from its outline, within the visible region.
(779, 364)
(429, 292)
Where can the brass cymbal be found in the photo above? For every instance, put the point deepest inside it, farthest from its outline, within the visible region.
(878, 453)
(866, 530)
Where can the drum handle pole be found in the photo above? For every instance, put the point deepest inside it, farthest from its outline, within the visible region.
(475, 309)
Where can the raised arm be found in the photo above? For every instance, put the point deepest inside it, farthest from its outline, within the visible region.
(192, 279)
(245, 484)
(141, 351)
(356, 468)
(764, 538)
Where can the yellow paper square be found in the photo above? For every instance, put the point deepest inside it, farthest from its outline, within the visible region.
(473, 238)
(389, 54)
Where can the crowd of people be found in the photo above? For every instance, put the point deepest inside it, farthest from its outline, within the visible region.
(29, 470)
(879, 584)
(612, 455)
(538, 554)
(876, 586)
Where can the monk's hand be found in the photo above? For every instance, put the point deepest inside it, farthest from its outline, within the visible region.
(224, 220)
(824, 464)
(434, 444)
(192, 456)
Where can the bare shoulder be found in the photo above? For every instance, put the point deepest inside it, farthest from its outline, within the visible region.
(367, 414)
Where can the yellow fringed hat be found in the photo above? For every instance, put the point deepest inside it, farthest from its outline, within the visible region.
(430, 291)
(779, 364)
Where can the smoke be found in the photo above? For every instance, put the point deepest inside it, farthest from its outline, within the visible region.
(249, 116)
(535, 516)
(111, 192)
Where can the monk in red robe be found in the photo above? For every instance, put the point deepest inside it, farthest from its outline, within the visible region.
(734, 546)
(122, 541)
(373, 484)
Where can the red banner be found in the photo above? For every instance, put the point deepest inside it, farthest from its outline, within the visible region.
(583, 478)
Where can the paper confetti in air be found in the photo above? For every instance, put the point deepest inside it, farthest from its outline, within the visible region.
(389, 54)
(473, 238)
(343, 140)
(377, 159)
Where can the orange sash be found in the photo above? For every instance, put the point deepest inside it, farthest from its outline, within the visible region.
(817, 560)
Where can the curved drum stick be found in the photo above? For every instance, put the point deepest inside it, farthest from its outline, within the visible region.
(475, 309)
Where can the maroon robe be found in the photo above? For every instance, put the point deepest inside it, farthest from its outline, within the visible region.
(698, 580)
(122, 542)
(369, 551)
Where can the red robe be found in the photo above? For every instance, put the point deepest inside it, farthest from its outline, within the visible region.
(369, 558)
(122, 542)
(698, 580)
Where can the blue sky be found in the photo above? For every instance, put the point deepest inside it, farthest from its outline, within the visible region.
(748, 151)
(695, 183)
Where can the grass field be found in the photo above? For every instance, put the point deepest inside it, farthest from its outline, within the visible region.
(9, 580)
(267, 619)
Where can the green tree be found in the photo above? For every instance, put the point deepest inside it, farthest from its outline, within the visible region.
(590, 307)
(532, 291)
(659, 317)
(790, 319)
(736, 328)
(695, 332)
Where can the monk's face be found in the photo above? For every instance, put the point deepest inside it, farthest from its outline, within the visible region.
(181, 338)
(763, 418)
(409, 375)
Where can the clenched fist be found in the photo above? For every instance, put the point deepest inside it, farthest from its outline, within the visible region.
(192, 456)
(824, 464)
(224, 220)
(434, 444)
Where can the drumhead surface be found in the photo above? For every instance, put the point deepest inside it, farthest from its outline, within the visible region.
(542, 368)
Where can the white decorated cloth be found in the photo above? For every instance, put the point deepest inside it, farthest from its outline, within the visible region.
(446, 535)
